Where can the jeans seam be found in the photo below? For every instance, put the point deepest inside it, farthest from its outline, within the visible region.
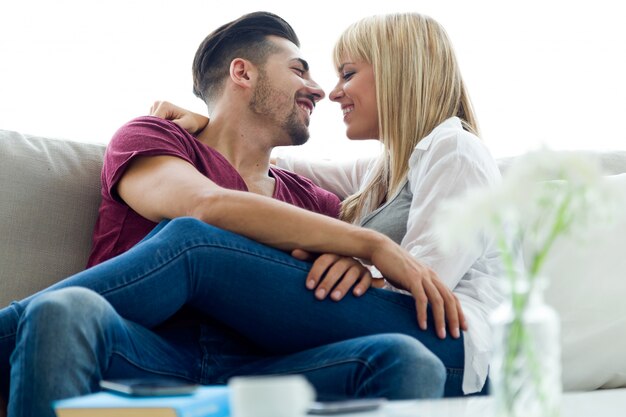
(147, 368)
(13, 307)
(324, 366)
(377, 295)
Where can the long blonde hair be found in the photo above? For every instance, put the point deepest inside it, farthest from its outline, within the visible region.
(418, 86)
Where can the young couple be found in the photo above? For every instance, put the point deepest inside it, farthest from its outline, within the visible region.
(258, 271)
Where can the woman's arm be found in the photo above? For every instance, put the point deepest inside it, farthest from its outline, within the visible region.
(342, 178)
(450, 168)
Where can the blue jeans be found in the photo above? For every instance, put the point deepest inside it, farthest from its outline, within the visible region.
(258, 319)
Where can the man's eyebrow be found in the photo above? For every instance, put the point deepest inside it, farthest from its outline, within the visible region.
(305, 64)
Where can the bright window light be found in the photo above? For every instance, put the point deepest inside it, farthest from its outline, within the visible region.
(538, 71)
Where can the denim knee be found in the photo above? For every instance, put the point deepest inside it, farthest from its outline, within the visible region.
(65, 315)
(188, 226)
(66, 304)
(416, 372)
(61, 348)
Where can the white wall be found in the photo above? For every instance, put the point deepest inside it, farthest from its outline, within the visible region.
(539, 71)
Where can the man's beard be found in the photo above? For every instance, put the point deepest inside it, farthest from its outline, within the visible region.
(263, 102)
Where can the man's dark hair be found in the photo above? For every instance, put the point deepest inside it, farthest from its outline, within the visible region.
(241, 38)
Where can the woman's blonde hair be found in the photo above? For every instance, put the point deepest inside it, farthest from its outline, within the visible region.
(418, 86)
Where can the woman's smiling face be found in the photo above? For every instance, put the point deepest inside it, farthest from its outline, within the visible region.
(356, 93)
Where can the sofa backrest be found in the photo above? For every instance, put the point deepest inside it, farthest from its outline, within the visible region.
(49, 198)
(611, 162)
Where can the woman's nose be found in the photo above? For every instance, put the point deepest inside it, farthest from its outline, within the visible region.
(336, 93)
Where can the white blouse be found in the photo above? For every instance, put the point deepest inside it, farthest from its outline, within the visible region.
(446, 163)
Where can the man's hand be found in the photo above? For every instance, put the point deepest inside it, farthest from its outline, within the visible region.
(403, 271)
(190, 121)
(335, 275)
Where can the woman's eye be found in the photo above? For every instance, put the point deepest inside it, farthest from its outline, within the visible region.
(347, 75)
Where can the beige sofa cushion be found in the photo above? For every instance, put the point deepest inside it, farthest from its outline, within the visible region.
(587, 284)
(49, 198)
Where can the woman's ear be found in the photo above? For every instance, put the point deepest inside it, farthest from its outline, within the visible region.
(242, 72)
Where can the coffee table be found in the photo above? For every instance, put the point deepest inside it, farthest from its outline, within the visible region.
(600, 403)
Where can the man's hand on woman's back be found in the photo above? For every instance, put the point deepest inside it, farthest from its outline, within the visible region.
(190, 121)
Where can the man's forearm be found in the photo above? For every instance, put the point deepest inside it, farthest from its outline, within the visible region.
(283, 226)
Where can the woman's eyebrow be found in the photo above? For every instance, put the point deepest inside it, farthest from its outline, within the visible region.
(343, 65)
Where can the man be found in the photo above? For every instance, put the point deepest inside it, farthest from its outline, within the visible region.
(259, 94)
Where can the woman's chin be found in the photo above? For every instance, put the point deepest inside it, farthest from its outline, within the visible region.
(352, 135)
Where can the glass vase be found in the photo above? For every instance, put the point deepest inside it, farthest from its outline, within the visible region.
(525, 370)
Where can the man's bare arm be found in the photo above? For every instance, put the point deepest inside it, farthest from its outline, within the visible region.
(165, 187)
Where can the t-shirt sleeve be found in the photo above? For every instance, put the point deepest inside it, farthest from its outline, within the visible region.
(143, 136)
(330, 203)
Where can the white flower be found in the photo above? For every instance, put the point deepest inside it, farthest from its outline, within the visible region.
(544, 195)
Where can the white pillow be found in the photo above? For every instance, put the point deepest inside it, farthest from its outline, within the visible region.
(587, 286)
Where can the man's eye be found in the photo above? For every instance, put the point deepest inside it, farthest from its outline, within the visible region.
(300, 71)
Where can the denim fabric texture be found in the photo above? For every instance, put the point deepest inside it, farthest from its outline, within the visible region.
(245, 311)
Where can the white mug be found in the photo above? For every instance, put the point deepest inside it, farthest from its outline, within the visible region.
(270, 396)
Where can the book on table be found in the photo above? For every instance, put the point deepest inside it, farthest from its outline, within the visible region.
(206, 401)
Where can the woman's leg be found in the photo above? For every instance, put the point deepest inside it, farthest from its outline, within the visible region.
(259, 291)
(256, 290)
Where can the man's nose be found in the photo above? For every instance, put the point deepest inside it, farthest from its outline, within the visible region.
(315, 90)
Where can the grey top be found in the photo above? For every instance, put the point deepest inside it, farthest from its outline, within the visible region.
(391, 218)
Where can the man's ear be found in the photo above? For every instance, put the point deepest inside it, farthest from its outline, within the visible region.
(242, 72)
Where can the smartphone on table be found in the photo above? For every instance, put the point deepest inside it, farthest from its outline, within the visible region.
(347, 406)
(148, 387)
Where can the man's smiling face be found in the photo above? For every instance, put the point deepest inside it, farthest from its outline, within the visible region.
(285, 91)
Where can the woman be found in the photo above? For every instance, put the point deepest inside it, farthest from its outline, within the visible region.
(387, 64)
(256, 290)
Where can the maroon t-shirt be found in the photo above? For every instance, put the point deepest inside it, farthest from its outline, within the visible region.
(119, 227)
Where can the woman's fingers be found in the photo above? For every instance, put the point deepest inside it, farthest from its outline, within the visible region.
(364, 283)
(451, 310)
(355, 274)
(377, 282)
(333, 275)
(421, 302)
(340, 270)
(444, 305)
(302, 255)
(188, 120)
(318, 269)
(437, 306)
(162, 109)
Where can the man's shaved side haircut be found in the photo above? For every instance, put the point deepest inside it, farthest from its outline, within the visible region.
(244, 38)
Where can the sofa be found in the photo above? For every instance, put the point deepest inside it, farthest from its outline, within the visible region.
(50, 192)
